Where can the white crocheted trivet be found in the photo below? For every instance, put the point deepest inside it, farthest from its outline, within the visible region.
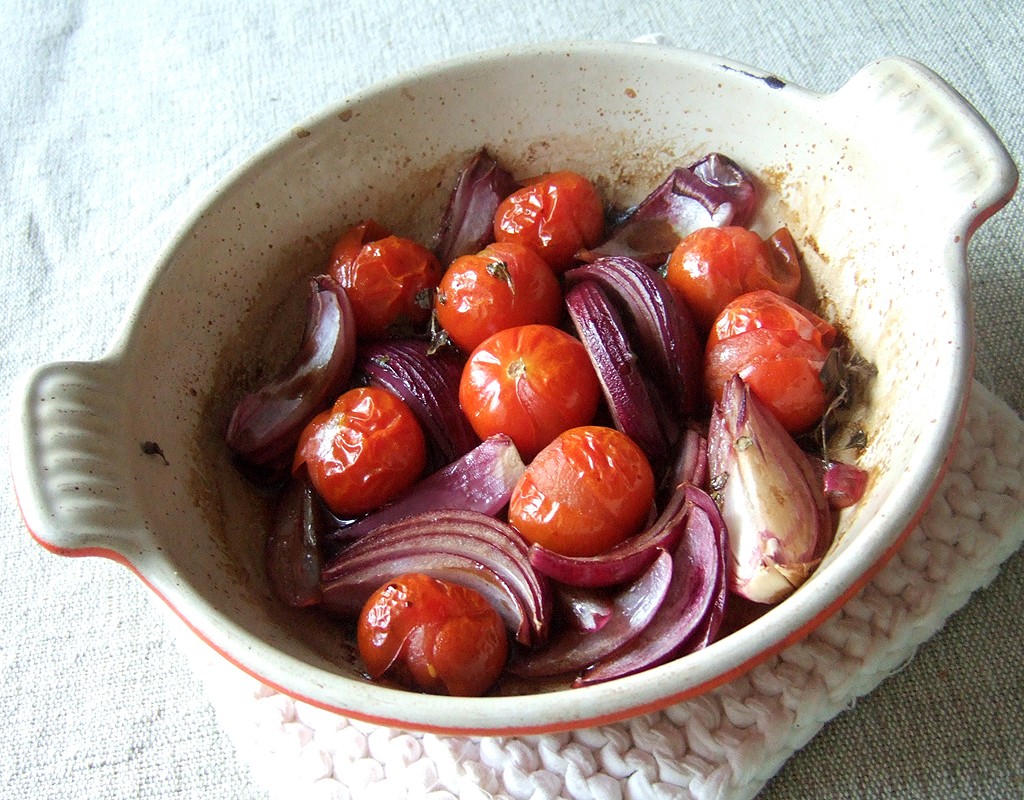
(725, 744)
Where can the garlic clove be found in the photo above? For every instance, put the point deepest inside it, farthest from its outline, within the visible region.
(771, 498)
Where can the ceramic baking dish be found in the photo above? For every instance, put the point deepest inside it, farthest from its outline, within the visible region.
(882, 184)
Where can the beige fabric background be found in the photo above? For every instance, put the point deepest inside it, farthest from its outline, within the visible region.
(116, 119)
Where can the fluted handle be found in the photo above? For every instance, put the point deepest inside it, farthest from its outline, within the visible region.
(71, 461)
(914, 116)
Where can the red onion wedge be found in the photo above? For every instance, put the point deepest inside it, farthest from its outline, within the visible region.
(714, 192)
(428, 382)
(467, 225)
(266, 424)
(690, 598)
(292, 553)
(602, 332)
(844, 484)
(708, 628)
(663, 329)
(582, 608)
(482, 480)
(691, 465)
(462, 546)
(632, 610)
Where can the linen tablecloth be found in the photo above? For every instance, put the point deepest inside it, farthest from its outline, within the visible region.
(117, 119)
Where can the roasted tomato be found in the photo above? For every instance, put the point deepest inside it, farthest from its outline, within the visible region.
(713, 266)
(432, 635)
(777, 347)
(588, 490)
(531, 383)
(364, 451)
(389, 280)
(503, 286)
(557, 215)
(353, 240)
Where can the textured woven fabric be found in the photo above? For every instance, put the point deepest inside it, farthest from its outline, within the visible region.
(723, 745)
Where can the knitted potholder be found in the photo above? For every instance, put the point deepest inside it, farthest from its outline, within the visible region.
(724, 744)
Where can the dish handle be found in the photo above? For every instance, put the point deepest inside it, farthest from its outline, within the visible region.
(70, 465)
(920, 119)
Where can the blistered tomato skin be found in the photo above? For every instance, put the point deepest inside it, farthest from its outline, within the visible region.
(769, 311)
(353, 240)
(779, 349)
(432, 635)
(587, 491)
(366, 450)
(713, 266)
(389, 280)
(503, 286)
(556, 215)
(531, 383)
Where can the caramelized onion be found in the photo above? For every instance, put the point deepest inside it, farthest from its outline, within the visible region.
(708, 628)
(691, 464)
(292, 553)
(714, 192)
(482, 480)
(468, 222)
(266, 424)
(633, 607)
(664, 330)
(428, 382)
(582, 608)
(462, 546)
(681, 616)
(629, 401)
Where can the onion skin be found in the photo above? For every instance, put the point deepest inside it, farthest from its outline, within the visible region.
(266, 424)
(427, 382)
(584, 609)
(706, 632)
(663, 328)
(633, 608)
(691, 464)
(755, 464)
(714, 192)
(292, 553)
(461, 546)
(482, 481)
(601, 330)
(737, 188)
(467, 225)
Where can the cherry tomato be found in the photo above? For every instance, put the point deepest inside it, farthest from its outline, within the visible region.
(588, 490)
(504, 285)
(778, 348)
(353, 240)
(766, 309)
(556, 215)
(432, 635)
(713, 266)
(364, 451)
(389, 280)
(531, 383)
